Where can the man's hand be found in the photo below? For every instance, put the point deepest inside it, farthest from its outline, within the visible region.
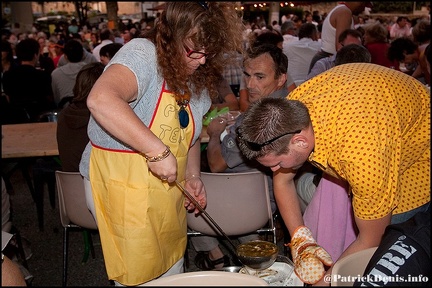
(216, 127)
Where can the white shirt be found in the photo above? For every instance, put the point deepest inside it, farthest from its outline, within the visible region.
(300, 54)
(328, 33)
(397, 32)
(96, 50)
(288, 38)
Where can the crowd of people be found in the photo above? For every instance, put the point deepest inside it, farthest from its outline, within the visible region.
(130, 119)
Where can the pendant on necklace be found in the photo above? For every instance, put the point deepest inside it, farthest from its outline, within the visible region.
(183, 114)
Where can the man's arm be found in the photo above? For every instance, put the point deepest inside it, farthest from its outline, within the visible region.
(342, 18)
(318, 68)
(243, 100)
(309, 258)
(393, 31)
(215, 159)
(230, 101)
(286, 198)
(370, 234)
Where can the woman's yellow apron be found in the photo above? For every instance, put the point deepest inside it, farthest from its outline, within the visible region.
(141, 220)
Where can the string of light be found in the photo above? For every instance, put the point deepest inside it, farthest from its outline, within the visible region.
(263, 5)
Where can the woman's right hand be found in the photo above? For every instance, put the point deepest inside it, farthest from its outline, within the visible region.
(165, 169)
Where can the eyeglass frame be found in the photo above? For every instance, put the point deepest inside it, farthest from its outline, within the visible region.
(189, 52)
(256, 146)
(203, 4)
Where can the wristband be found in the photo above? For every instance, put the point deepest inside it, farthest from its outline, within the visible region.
(159, 157)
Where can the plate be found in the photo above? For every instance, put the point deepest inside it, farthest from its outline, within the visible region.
(207, 278)
(279, 274)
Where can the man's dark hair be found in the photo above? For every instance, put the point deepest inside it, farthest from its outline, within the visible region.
(105, 34)
(280, 60)
(73, 51)
(400, 18)
(399, 47)
(352, 53)
(307, 30)
(287, 26)
(421, 31)
(268, 38)
(352, 32)
(76, 36)
(110, 50)
(27, 49)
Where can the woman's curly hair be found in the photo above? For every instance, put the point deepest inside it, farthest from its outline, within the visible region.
(215, 27)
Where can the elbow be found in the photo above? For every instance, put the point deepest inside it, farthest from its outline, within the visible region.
(235, 107)
(215, 168)
(91, 102)
(216, 165)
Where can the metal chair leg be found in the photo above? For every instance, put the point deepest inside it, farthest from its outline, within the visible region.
(86, 246)
(186, 256)
(51, 183)
(65, 255)
(92, 251)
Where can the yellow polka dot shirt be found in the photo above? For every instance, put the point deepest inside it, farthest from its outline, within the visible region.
(372, 128)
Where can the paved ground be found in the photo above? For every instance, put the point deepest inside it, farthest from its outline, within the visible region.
(47, 246)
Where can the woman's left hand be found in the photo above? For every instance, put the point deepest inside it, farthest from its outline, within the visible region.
(196, 188)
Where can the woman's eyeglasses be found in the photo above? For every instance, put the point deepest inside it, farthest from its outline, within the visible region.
(203, 4)
(197, 55)
(256, 146)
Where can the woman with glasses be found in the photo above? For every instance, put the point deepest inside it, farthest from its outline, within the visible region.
(146, 118)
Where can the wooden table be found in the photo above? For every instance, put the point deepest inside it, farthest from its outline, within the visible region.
(29, 140)
(39, 139)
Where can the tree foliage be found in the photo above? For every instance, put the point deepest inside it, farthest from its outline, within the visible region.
(396, 7)
(112, 9)
(81, 9)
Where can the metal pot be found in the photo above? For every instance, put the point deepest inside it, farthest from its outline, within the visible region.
(257, 254)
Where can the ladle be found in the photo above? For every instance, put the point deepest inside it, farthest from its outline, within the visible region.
(254, 262)
(202, 210)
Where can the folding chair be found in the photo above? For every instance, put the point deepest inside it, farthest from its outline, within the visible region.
(73, 212)
(238, 202)
(351, 265)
